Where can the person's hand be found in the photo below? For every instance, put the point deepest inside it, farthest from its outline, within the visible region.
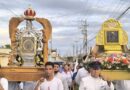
(41, 80)
(105, 78)
(1, 88)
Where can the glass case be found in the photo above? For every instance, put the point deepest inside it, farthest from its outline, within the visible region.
(112, 36)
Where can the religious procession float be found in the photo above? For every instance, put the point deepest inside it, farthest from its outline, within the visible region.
(112, 51)
(29, 48)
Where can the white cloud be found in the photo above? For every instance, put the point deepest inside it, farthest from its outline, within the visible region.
(66, 16)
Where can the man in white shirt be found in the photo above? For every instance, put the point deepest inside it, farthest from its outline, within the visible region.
(49, 82)
(59, 75)
(3, 84)
(56, 71)
(94, 81)
(122, 85)
(82, 72)
(67, 74)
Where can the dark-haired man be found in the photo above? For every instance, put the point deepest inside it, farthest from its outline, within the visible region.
(49, 82)
(60, 76)
(67, 74)
(94, 81)
(82, 72)
(56, 71)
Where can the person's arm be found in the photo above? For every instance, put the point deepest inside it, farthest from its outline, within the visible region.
(81, 86)
(65, 84)
(1, 88)
(77, 78)
(109, 86)
(4, 83)
(37, 87)
(60, 85)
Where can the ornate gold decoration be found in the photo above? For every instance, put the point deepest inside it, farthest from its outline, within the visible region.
(47, 31)
(111, 36)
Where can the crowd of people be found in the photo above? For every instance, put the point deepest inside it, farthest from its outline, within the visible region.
(89, 78)
(57, 77)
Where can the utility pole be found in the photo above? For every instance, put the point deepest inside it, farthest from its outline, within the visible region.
(76, 48)
(84, 32)
(80, 50)
(73, 50)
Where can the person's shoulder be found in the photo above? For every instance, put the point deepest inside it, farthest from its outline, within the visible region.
(126, 81)
(86, 78)
(81, 68)
(59, 73)
(57, 80)
(3, 79)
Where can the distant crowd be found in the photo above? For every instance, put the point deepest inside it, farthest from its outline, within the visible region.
(73, 77)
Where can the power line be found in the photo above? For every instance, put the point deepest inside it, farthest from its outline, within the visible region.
(2, 4)
(119, 17)
(116, 8)
(120, 9)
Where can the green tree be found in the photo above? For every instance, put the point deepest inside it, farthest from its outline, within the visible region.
(7, 46)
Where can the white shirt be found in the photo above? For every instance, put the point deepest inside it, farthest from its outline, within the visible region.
(54, 84)
(28, 85)
(68, 77)
(64, 81)
(4, 83)
(59, 75)
(123, 85)
(82, 72)
(90, 83)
